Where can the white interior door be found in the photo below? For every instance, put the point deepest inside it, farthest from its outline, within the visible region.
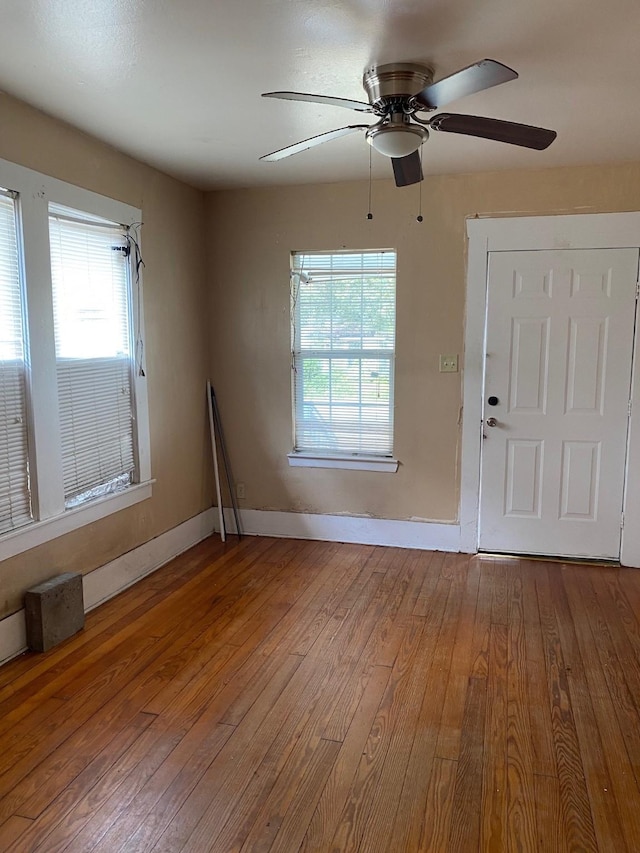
(559, 347)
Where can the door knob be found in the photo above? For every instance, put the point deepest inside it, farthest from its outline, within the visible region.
(491, 422)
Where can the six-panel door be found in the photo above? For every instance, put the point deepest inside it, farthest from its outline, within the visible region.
(559, 349)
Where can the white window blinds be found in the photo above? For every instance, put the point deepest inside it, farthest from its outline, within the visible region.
(15, 497)
(91, 302)
(343, 312)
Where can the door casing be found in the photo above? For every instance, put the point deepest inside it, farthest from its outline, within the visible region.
(583, 231)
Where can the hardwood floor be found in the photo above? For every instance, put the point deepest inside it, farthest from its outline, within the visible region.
(277, 695)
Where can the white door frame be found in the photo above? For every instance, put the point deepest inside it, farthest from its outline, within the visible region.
(583, 231)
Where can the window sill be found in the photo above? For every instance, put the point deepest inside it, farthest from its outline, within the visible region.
(382, 464)
(39, 532)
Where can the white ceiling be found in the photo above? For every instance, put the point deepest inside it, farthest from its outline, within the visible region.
(177, 83)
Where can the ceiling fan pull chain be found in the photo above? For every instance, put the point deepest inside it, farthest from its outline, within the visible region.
(419, 216)
(369, 214)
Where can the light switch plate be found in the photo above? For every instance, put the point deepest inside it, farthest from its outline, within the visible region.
(448, 363)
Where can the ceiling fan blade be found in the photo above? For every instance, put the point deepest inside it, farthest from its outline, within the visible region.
(360, 106)
(493, 128)
(467, 81)
(407, 170)
(313, 140)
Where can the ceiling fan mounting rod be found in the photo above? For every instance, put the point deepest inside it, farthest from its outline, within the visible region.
(396, 117)
(393, 106)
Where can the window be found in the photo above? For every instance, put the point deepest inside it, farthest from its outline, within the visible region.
(15, 494)
(89, 271)
(343, 319)
(74, 436)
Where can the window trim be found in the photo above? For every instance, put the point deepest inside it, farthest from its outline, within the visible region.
(34, 193)
(306, 459)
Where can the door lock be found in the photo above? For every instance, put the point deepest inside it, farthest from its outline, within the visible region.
(491, 422)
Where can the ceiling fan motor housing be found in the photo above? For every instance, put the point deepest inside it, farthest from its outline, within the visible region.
(395, 83)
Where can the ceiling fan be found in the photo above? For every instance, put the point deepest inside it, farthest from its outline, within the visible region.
(397, 92)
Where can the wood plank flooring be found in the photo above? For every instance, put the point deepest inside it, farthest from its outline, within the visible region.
(278, 695)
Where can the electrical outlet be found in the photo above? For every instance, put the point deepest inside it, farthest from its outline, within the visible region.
(240, 491)
(448, 364)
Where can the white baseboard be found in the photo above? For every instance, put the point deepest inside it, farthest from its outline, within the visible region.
(108, 580)
(425, 535)
(13, 636)
(112, 578)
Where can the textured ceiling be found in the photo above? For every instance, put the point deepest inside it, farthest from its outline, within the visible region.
(177, 83)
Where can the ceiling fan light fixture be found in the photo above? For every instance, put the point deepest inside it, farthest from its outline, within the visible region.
(396, 142)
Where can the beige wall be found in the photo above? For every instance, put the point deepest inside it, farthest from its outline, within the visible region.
(176, 342)
(243, 340)
(250, 235)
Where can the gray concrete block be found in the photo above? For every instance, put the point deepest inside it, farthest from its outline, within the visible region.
(54, 611)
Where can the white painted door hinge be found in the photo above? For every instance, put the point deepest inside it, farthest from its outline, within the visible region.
(621, 520)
